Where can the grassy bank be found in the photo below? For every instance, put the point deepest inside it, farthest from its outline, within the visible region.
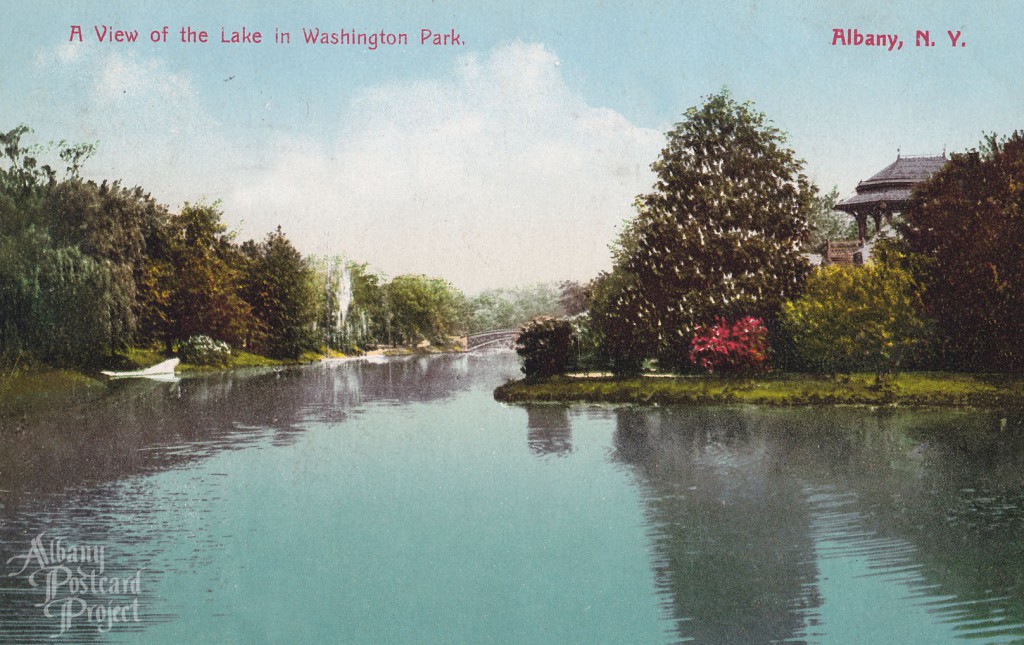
(32, 388)
(240, 359)
(37, 386)
(421, 350)
(930, 389)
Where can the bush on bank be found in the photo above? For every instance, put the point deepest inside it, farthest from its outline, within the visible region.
(854, 318)
(740, 347)
(544, 345)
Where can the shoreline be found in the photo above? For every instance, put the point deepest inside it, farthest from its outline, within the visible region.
(913, 389)
(29, 387)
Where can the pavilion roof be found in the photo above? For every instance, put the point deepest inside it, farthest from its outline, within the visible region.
(892, 184)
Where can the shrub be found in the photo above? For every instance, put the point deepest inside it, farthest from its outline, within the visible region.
(737, 348)
(203, 350)
(544, 344)
(857, 318)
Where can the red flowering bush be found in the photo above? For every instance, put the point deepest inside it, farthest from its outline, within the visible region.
(737, 348)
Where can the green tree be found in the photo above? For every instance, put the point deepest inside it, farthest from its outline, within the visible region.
(279, 286)
(69, 250)
(966, 225)
(128, 229)
(827, 223)
(20, 255)
(208, 271)
(857, 318)
(719, 236)
(422, 308)
(510, 308)
(23, 179)
(368, 312)
(79, 306)
(613, 329)
(573, 297)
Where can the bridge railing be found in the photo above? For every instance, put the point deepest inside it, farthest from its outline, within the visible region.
(491, 336)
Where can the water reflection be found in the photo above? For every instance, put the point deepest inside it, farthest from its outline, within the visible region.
(729, 527)
(141, 425)
(358, 501)
(78, 472)
(549, 430)
(787, 524)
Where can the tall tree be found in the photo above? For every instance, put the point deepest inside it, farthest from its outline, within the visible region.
(206, 295)
(279, 285)
(719, 235)
(127, 229)
(80, 307)
(68, 252)
(618, 338)
(966, 223)
(367, 314)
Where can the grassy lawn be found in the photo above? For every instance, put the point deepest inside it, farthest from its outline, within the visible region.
(922, 388)
(242, 359)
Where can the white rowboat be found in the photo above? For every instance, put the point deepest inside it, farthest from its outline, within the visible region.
(160, 369)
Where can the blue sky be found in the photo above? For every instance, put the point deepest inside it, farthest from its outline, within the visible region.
(511, 158)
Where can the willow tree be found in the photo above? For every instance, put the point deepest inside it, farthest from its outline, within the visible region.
(719, 235)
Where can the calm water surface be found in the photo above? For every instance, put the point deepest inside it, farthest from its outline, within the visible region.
(397, 502)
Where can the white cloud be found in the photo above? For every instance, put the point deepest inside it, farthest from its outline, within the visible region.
(496, 174)
(151, 125)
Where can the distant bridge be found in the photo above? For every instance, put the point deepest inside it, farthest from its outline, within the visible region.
(492, 338)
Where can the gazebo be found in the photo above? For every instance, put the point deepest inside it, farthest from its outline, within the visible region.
(888, 190)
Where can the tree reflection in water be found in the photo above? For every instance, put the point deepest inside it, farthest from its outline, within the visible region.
(748, 505)
(729, 527)
(549, 430)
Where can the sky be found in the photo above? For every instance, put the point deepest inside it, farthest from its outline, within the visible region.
(509, 157)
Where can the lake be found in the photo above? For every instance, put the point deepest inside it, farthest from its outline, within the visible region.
(396, 501)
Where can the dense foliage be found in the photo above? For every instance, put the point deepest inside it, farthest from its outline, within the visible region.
(544, 345)
(719, 236)
(71, 255)
(857, 318)
(423, 308)
(88, 269)
(509, 308)
(967, 226)
(619, 339)
(279, 286)
(740, 347)
(205, 292)
(826, 223)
